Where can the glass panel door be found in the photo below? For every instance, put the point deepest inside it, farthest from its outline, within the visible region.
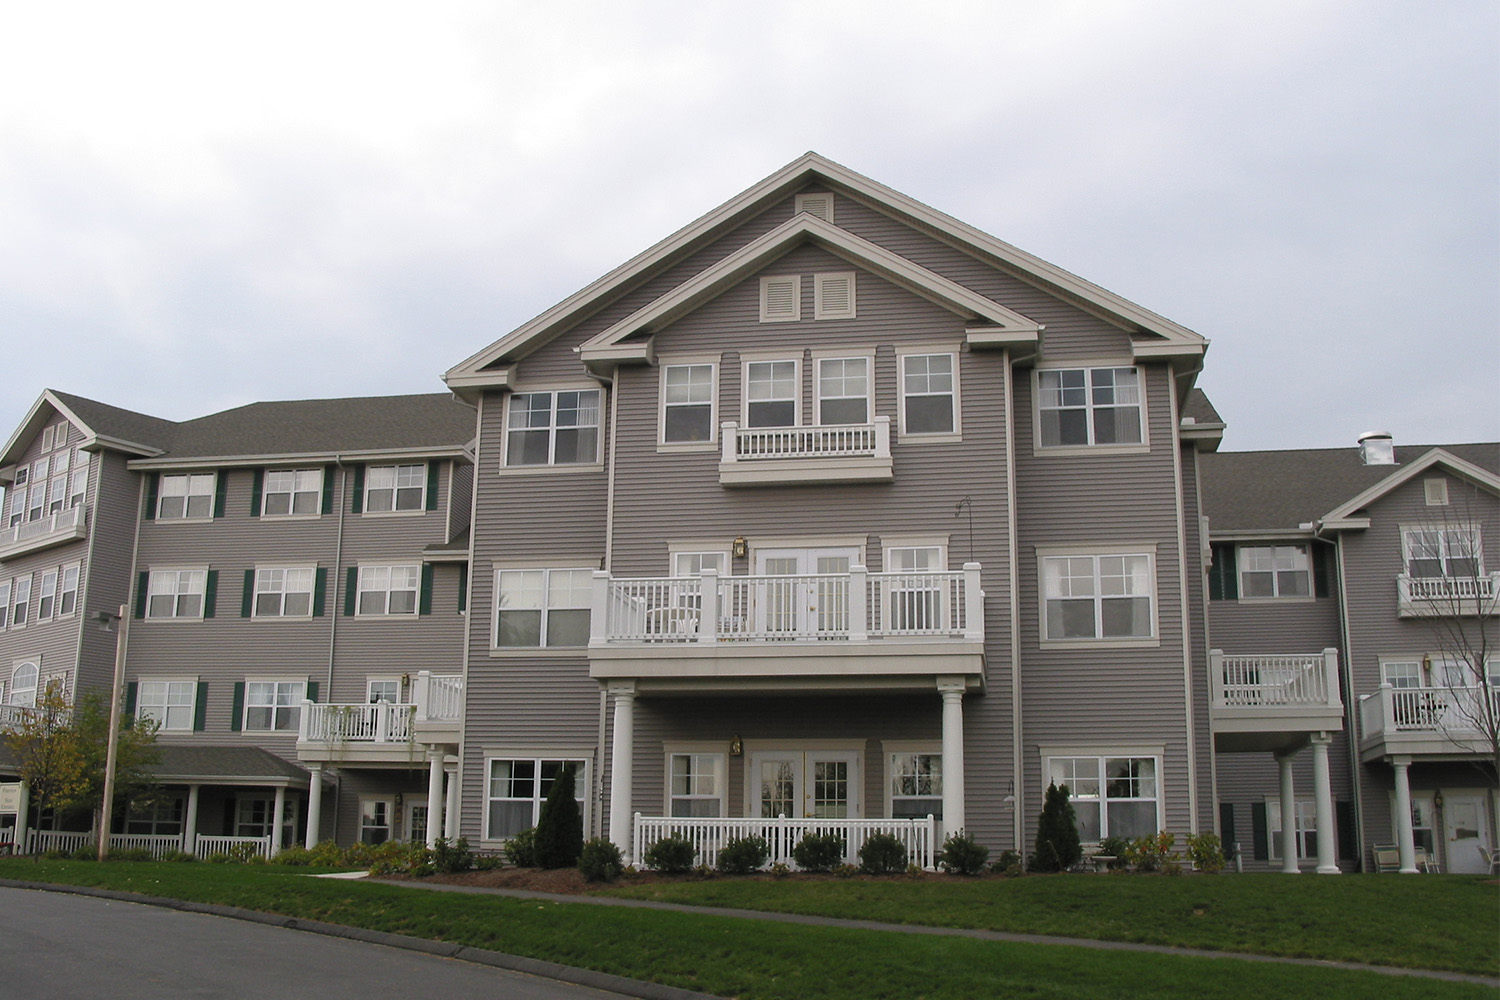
(1465, 827)
(809, 608)
(823, 784)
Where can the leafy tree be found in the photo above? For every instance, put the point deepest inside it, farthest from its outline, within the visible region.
(559, 829)
(1057, 844)
(135, 753)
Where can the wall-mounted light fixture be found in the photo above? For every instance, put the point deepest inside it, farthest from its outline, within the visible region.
(740, 547)
(1437, 800)
(736, 746)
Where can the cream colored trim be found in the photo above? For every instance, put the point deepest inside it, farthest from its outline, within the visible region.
(1459, 467)
(662, 444)
(1104, 749)
(799, 203)
(819, 312)
(1043, 553)
(718, 749)
(1040, 450)
(888, 542)
(766, 316)
(748, 358)
(904, 351)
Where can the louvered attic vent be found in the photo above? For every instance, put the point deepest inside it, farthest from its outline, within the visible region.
(819, 204)
(780, 299)
(833, 296)
(1435, 492)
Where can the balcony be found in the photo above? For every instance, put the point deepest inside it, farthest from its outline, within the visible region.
(43, 533)
(1430, 722)
(834, 453)
(1270, 701)
(840, 630)
(1446, 596)
(383, 732)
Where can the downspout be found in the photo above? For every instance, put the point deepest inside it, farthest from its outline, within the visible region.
(1012, 554)
(463, 716)
(609, 548)
(1191, 729)
(338, 557)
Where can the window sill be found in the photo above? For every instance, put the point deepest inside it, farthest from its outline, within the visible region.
(395, 513)
(283, 618)
(1147, 643)
(550, 652)
(1070, 450)
(912, 437)
(181, 520)
(290, 517)
(538, 470)
(174, 618)
(1276, 600)
(692, 447)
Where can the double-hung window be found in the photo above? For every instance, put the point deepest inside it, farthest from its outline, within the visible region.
(1098, 597)
(542, 607)
(274, 705)
(17, 494)
(297, 491)
(843, 390)
(395, 487)
(162, 818)
(912, 598)
(375, 817)
(1306, 825)
(916, 785)
(284, 592)
(4, 603)
(80, 482)
(687, 403)
(67, 594)
(1089, 406)
(185, 497)
(383, 689)
(698, 784)
(771, 394)
(20, 599)
(553, 428)
(1449, 551)
(1111, 796)
(929, 393)
(170, 703)
(388, 590)
(47, 595)
(38, 506)
(176, 593)
(517, 787)
(1274, 571)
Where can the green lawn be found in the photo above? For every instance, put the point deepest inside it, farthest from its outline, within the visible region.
(769, 961)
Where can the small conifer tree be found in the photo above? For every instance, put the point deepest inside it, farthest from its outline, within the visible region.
(559, 829)
(1057, 844)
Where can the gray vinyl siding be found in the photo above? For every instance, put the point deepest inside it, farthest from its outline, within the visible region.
(114, 499)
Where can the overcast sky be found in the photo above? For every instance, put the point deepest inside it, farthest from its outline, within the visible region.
(205, 204)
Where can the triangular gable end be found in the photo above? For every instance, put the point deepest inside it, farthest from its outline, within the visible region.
(1343, 515)
(36, 418)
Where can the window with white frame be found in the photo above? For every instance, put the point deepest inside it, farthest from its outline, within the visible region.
(929, 393)
(67, 593)
(553, 428)
(254, 816)
(518, 786)
(59, 493)
(283, 591)
(694, 563)
(170, 703)
(20, 599)
(4, 603)
(47, 595)
(300, 491)
(833, 296)
(781, 298)
(916, 785)
(176, 593)
(23, 684)
(1089, 406)
(1098, 597)
(274, 705)
(1307, 828)
(80, 482)
(383, 689)
(697, 784)
(1448, 551)
(375, 817)
(395, 487)
(1268, 571)
(771, 394)
(687, 403)
(542, 607)
(17, 496)
(388, 590)
(185, 497)
(843, 391)
(1111, 796)
(1401, 673)
(160, 818)
(914, 599)
(38, 505)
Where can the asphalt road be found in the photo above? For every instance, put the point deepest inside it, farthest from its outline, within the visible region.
(55, 945)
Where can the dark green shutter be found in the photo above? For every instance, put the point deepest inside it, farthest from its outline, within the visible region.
(320, 591)
(1343, 813)
(211, 593)
(329, 471)
(424, 601)
(153, 487)
(351, 590)
(432, 476)
(1226, 829)
(257, 487)
(247, 599)
(221, 487)
(1262, 849)
(1223, 581)
(357, 494)
(312, 691)
(1322, 556)
(463, 588)
(237, 712)
(142, 587)
(200, 708)
(131, 690)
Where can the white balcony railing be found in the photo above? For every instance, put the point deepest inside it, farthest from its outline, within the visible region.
(749, 444)
(783, 833)
(438, 697)
(1275, 680)
(65, 525)
(1459, 712)
(854, 606)
(378, 723)
(1447, 595)
(12, 716)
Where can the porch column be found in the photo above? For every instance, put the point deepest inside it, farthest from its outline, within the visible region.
(278, 811)
(314, 805)
(450, 805)
(434, 796)
(952, 690)
(1328, 862)
(1288, 816)
(23, 808)
(190, 821)
(621, 760)
(1406, 841)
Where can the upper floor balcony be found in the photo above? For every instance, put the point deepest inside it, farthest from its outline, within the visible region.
(1446, 596)
(1266, 700)
(43, 533)
(838, 630)
(383, 732)
(1432, 722)
(831, 453)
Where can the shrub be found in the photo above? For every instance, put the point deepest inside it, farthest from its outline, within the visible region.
(845, 871)
(671, 854)
(293, 856)
(559, 828)
(1057, 845)
(1206, 852)
(743, 855)
(56, 854)
(131, 854)
(818, 852)
(181, 857)
(780, 870)
(1148, 853)
(218, 858)
(1005, 861)
(449, 856)
(600, 861)
(488, 862)
(520, 850)
(882, 854)
(962, 855)
(1117, 848)
(85, 852)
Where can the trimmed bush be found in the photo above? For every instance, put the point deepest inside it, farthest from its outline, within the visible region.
(1148, 854)
(182, 857)
(743, 855)
(962, 855)
(449, 856)
(819, 852)
(296, 856)
(1057, 844)
(600, 861)
(559, 828)
(1206, 852)
(1005, 862)
(671, 854)
(882, 854)
(520, 850)
(326, 854)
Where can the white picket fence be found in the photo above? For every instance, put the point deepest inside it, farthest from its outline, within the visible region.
(160, 845)
(782, 833)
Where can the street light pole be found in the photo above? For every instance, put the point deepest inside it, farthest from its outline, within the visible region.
(106, 817)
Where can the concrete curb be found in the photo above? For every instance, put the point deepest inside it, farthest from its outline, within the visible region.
(443, 949)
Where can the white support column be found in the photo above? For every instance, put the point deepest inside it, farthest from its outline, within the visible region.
(952, 690)
(190, 821)
(621, 761)
(1288, 816)
(314, 806)
(434, 796)
(973, 602)
(859, 604)
(278, 813)
(450, 806)
(23, 808)
(1328, 862)
(1406, 841)
(708, 605)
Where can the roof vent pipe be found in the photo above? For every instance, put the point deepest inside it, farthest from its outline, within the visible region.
(1377, 448)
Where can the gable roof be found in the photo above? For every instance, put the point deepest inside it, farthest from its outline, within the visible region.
(810, 168)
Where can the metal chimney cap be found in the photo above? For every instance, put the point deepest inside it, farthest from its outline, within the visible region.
(1374, 434)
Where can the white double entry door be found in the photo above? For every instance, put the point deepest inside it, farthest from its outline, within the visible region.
(788, 604)
(820, 784)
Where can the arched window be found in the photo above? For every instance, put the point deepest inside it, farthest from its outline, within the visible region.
(23, 685)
